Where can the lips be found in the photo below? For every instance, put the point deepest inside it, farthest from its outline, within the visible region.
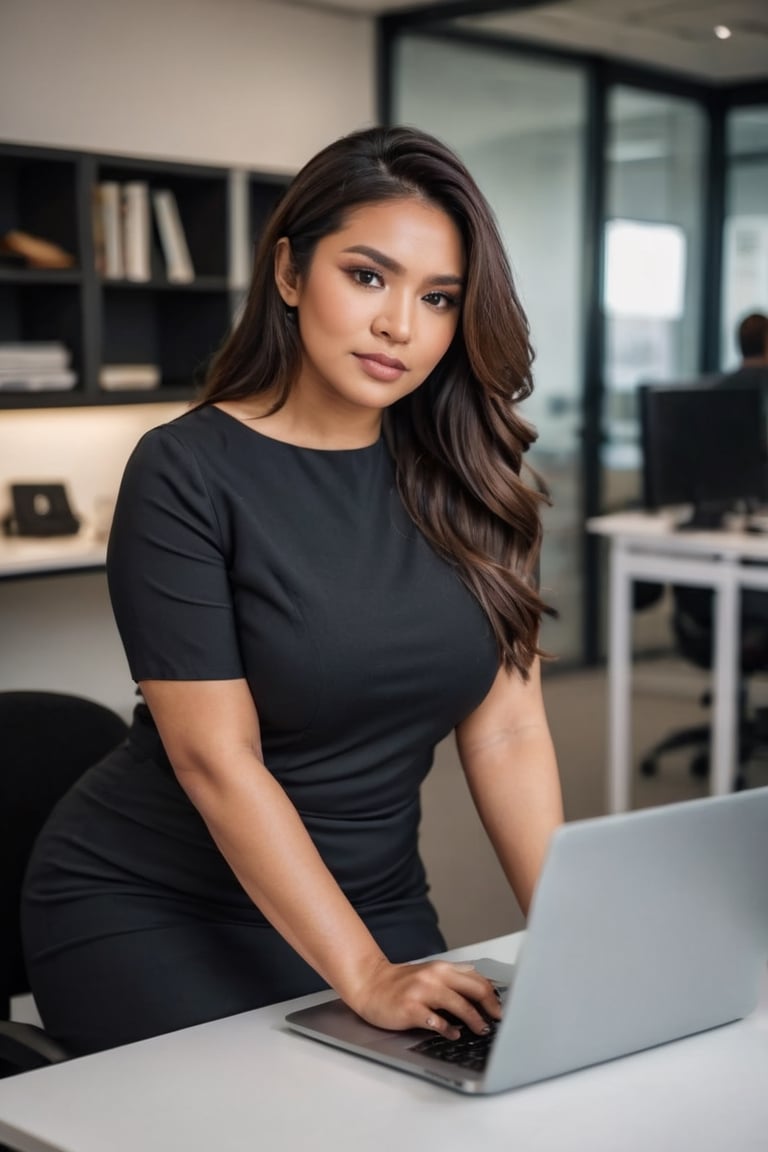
(382, 369)
(378, 358)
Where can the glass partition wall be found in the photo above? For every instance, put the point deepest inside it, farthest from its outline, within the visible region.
(745, 234)
(653, 242)
(622, 195)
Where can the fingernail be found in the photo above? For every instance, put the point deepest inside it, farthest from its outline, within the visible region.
(485, 1029)
(464, 967)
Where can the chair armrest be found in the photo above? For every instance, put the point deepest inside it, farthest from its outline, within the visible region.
(25, 1046)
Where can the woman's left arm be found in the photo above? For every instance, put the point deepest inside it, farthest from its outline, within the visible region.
(508, 757)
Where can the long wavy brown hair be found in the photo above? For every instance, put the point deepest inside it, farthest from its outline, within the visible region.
(458, 441)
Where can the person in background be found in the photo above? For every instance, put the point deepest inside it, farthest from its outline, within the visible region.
(318, 572)
(752, 340)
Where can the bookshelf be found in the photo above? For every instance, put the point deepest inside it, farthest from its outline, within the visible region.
(117, 319)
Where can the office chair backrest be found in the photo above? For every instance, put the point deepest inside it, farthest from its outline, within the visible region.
(48, 739)
(694, 627)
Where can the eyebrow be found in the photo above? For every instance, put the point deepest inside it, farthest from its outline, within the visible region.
(391, 265)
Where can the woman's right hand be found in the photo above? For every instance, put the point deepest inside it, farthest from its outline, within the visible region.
(403, 996)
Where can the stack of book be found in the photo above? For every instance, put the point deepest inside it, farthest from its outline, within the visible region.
(35, 366)
(122, 228)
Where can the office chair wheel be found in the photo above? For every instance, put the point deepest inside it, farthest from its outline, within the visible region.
(700, 765)
(648, 766)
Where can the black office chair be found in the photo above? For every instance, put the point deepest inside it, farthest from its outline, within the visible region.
(48, 740)
(693, 627)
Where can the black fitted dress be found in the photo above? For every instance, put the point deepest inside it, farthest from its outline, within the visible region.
(235, 555)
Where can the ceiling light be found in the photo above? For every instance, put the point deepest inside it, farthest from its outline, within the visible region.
(722, 31)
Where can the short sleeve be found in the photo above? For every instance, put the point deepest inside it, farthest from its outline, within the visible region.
(166, 568)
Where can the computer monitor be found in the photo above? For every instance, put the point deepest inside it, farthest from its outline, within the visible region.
(704, 446)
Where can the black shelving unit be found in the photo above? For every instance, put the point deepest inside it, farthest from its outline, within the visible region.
(264, 192)
(49, 193)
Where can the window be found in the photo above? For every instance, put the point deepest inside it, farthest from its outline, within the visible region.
(745, 231)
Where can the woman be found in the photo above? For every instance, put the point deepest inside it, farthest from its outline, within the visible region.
(317, 573)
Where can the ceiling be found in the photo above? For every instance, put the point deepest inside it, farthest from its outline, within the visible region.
(675, 35)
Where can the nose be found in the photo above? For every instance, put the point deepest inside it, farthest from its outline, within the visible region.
(394, 320)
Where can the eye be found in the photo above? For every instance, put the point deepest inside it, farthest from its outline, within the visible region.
(441, 300)
(367, 277)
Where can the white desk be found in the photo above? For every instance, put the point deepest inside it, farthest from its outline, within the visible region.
(24, 556)
(647, 547)
(57, 630)
(248, 1083)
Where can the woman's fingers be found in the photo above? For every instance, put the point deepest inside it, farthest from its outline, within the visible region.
(472, 998)
(488, 1000)
(436, 1023)
(472, 988)
(457, 1011)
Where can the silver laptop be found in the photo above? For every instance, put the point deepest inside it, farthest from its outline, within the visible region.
(645, 927)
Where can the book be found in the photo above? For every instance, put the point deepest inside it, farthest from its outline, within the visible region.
(110, 229)
(178, 262)
(29, 380)
(136, 230)
(32, 355)
(119, 377)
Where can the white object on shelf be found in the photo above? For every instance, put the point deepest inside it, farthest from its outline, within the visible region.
(178, 262)
(28, 380)
(34, 355)
(109, 206)
(136, 230)
(115, 377)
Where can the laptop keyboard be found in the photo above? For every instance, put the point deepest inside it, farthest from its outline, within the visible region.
(469, 1050)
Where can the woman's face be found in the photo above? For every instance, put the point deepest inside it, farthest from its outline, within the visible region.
(379, 305)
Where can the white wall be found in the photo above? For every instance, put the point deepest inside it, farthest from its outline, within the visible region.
(237, 82)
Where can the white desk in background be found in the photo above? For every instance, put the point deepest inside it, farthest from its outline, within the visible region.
(246, 1083)
(57, 631)
(26, 556)
(646, 546)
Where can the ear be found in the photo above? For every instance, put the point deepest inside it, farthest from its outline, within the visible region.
(286, 278)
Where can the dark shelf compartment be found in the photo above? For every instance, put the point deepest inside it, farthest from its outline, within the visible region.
(178, 331)
(39, 195)
(39, 310)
